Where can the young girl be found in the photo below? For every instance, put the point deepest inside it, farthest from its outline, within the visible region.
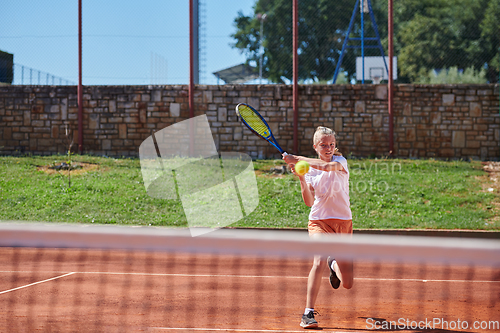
(325, 188)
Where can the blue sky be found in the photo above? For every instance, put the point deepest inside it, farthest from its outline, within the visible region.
(124, 42)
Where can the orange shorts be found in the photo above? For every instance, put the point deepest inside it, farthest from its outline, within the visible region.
(330, 226)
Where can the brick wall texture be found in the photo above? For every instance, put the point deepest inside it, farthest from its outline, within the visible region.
(430, 121)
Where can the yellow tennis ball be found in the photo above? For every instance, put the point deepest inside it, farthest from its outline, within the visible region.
(301, 168)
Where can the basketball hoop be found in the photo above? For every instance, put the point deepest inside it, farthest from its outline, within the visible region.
(376, 79)
(376, 74)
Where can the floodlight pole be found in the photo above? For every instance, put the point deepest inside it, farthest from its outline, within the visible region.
(196, 41)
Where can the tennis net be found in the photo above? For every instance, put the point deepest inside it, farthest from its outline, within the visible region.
(69, 278)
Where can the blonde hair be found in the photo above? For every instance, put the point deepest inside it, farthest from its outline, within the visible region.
(322, 131)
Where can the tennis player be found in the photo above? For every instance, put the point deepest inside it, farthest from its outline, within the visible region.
(325, 188)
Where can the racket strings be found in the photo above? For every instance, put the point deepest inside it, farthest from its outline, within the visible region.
(254, 121)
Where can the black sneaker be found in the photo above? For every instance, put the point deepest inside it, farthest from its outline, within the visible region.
(334, 279)
(308, 320)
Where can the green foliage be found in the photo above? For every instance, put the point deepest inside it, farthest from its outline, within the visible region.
(435, 34)
(490, 34)
(342, 78)
(428, 35)
(454, 76)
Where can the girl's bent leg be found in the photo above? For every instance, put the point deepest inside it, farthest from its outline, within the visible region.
(347, 272)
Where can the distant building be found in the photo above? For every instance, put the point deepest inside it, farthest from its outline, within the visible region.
(237, 74)
(6, 67)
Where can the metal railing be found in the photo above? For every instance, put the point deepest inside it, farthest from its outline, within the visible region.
(24, 75)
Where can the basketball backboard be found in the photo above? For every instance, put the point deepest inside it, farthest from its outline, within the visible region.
(375, 69)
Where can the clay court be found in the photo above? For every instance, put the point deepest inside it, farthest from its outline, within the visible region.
(51, 290)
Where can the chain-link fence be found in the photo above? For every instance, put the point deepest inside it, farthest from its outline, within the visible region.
(249, 41)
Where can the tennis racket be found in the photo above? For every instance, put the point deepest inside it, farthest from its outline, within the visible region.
(256, 123)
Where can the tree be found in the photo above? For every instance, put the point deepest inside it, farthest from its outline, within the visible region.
(438, 34)
(490, 35)
(428, 35)
(322, 27)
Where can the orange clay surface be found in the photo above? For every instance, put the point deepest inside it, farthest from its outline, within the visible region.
(52, 290)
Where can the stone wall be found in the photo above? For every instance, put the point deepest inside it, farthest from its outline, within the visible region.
(447, 121)
(439, 121)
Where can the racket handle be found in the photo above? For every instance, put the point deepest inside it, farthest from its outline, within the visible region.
(285, 153)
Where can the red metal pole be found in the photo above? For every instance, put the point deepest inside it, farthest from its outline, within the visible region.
(191, 60)
(80, 87)
(295, 76)
(390, 86)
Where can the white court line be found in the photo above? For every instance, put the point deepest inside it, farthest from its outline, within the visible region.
(286, 277)
(429, 280)
(262, 276)
(174, 274)
(233, 330)
(32, 284)
(202, 275)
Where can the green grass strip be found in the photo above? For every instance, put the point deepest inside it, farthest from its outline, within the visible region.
(386, 193)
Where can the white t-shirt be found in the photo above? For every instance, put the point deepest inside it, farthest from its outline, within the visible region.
(331, 192)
